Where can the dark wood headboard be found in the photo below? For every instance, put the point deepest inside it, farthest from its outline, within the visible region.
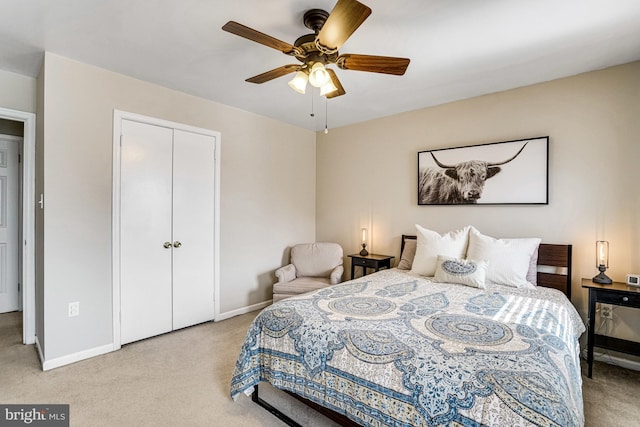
(555, 261)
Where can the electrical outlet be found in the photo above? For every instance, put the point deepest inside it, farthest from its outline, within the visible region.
(74, 309)
(606, 311)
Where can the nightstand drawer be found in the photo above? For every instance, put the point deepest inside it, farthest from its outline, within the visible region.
(624, 299)
(363, 262)
(369, 261)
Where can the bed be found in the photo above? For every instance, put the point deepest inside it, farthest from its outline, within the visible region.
(397, 348)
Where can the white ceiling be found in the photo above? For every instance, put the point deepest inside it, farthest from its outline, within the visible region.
(458, 48)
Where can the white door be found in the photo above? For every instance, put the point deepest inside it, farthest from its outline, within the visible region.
(145, 231)
(167, 193)
(9, 224)
(193, 225)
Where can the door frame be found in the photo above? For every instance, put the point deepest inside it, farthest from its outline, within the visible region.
(118, 116)
(28, 288)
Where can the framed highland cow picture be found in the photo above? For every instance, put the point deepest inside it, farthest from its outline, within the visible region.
(498, 173)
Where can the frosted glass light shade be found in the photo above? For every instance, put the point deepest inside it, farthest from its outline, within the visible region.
(327, 88)
(299, 82)
(318, 76)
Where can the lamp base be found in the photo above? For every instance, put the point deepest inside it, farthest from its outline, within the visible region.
(364, 252)
(602, 279)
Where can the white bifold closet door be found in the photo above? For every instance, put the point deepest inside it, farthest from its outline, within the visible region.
(167, 225)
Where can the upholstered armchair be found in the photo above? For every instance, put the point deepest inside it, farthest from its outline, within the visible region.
(313, 266)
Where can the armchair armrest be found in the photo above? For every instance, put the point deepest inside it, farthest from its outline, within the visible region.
(286, 273)
(336, 275)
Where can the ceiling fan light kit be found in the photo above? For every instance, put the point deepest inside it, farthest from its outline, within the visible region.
(316, 51)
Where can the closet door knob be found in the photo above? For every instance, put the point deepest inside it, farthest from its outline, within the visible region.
(177, 244)
(167, 245)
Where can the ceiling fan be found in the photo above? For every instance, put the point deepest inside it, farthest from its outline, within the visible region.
(315, 51)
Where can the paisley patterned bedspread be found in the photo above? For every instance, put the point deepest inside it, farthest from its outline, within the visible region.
(394, 349)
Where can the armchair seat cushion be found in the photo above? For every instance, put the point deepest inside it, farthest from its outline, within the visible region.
(301, 285)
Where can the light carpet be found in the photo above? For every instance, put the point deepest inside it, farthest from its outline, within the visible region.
(182, 379)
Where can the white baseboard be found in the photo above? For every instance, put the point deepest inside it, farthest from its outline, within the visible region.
(74, 357)
(40, 354)
(605, 357)
(97, 351)
(243, 310)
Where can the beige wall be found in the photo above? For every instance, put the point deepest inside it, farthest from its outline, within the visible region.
(366, 176)
(367, 173)
(17, 92)
(267, 194)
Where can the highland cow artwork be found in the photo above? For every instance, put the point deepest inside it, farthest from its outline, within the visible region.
(510, 172)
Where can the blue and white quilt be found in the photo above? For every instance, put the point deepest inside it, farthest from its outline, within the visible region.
(395, 349)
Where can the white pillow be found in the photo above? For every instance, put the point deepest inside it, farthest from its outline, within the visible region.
(461, 271)
(430, 244)
(508, 259)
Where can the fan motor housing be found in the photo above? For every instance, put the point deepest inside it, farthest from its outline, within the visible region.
(314, 19)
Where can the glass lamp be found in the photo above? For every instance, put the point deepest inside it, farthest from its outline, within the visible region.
(364, 252)
(602, 262)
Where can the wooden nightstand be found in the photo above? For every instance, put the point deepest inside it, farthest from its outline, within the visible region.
(369, 261)
(617, 294)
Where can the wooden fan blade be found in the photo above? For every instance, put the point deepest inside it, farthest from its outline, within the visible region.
(344, 19)
(274, 74)
(256, 36)
(336, 82)
(373, 64)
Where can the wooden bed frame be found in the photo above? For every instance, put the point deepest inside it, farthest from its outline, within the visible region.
(556, 259)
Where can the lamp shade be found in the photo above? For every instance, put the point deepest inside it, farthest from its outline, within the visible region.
(602, 253)
(299, 82)
(327, 88)
(318, 75)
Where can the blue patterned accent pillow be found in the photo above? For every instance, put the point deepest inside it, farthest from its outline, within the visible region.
(466, 272)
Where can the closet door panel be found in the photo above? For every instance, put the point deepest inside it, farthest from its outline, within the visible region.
(146, 222)
(193, 227)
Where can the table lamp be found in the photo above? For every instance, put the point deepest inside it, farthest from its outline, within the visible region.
(364, 252)
(602, 262)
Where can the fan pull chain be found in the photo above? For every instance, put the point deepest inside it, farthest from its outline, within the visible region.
(326, 116)
(312, 113)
